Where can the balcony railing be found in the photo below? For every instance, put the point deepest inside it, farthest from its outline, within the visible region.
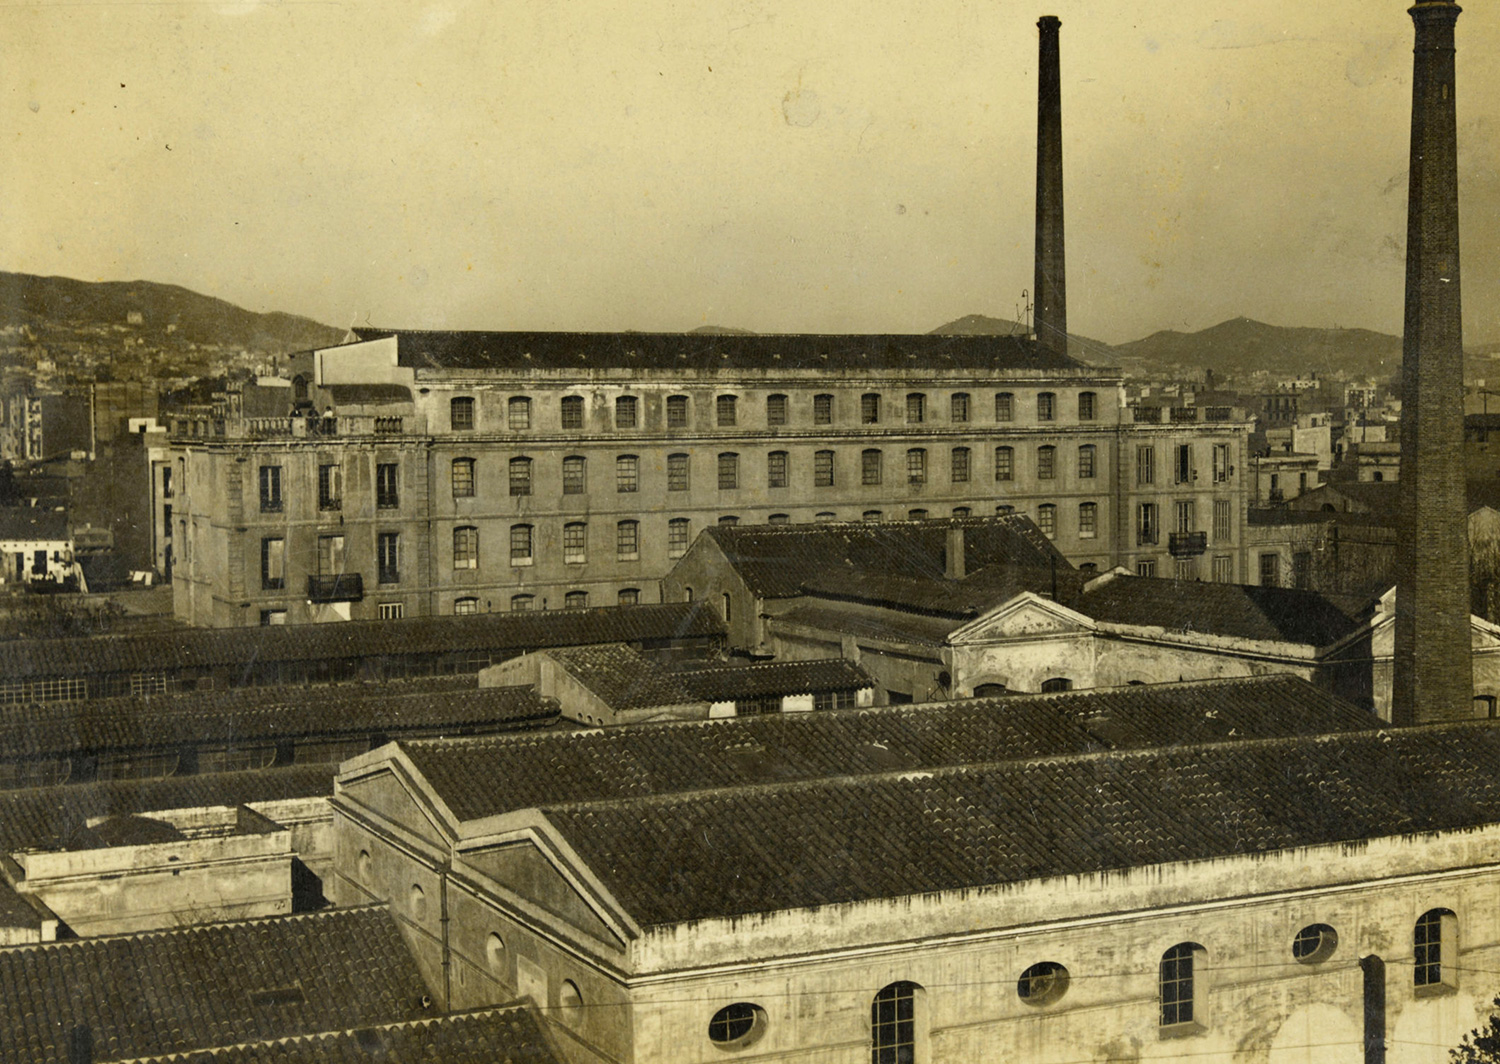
(341, 587)
(1187, 544)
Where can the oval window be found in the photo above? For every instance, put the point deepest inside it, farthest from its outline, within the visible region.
(569, 997)
(1315, 943)
(494, 951)
(1042, 983)
(738, 1025)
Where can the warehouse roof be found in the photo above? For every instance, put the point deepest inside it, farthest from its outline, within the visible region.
(528, 352)
(510, 633)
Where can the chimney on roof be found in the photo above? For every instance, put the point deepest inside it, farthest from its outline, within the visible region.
(1433, 677)
(953, 557)
(1049, 291)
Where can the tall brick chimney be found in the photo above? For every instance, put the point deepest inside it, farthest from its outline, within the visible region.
(1049, 293)
(1433, 675)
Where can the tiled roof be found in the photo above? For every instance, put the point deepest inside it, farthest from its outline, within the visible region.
(832, 841)
(1277, 614)
(493, 632)
(937, 596)
(52, 818)
(862, 621)
(716, 683)
(207, 985)
(259, 714)
(33, 523)
(528, 352)
(622, 678)
(650, 759)
(777, 561)
(511, 1035)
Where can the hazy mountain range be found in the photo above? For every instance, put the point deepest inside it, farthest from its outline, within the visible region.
(1233, 349)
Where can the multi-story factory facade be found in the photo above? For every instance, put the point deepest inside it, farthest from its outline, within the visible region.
(440, 473)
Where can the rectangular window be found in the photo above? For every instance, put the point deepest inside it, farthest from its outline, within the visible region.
(387, 489)
(1145, 465)
(330, 555)
(823, 469)
(273, 564)
(387, 560)
(330, 487)
(1086, 461)
(725, 411)
(1147, 525)
(1046, 519)
(1221, 462)
(822, 410)
(869, 467)
(1005, 463)
(869, 409)
(916, 466)
(1145, 567)
(392, 611)
(776, 469)
(1184, 463)
(958, 408)
(572, 475)
(466, 547)
(677, 537)
(677, 472)
(729, 471)
(1302, 563)
(916, 408)
(575, 542)
(1086, 406)
(518, 413)
(520, 544)
(1223, 568)
(1185, 515)
(1223, 520)
(626, 412)
(1088, 520)
(520, 476)
(960, 465)
(465, 607)
(628, 540)
(463, 478)
(572, 412)
(1186, 569)
(270, 489)
(461, 414)
(627, 473)
(677, 412)
(1005, 406)
(1270, 570)
(1046, 406)
(1046, 462)
(775, 410)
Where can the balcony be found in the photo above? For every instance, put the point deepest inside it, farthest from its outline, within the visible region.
(341, 587)
(1187, 544)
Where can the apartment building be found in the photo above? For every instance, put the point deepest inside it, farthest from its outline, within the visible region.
(439, 473)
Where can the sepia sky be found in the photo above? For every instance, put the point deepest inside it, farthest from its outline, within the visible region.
(841, 165)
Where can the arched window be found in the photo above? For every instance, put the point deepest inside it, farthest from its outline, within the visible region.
(1046, 519)
(625, 412)
(1087, 407)
(573, 482)
(824, 516)
(627, 473)
(958, 407)
(775, 410)
(520, 476)
(677, 537)
(628, 540)
(822, 469)
(464, 607)
(1046, 406)
(518, 413)
(494, 951)
(823, 409)
(916, 408)
(1055, 684)
(677, 472)
(1005, 463)
(575, 542)
(963, 511)
(1179, 985)
(725, 409)
(1046, 462)
(916, 515)
(572, 411)
(729, 520)
(461, 414)
(466, 547)
(520, 544)
(916, 466)
(961, 464)
(576, 600)
(779, 519)
(1086, 455)
(463, 478)
(1435, 950)
(522, 603)
(1088, 520)
(896, 1036)
(677, 411)
(776, 469)
(869, 466)
(729, 471)
(629, 596)
(871, 515)
(1005, 406)
(869, 408)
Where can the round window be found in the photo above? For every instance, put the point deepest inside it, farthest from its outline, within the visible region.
(738, 1025)
(1315, 943)
(1042, 983)
(568, 996)
(494, 951)
(365, 863)
(418, 902)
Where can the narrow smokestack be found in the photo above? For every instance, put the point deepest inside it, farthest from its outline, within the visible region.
(954, 555)
(1433, 676)
(1049, 294)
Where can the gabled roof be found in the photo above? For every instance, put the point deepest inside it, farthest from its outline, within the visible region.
(719, 683)
(33, 523)
(622, 678)
(840, 840)
(529, 352)
(1267, 614)
(250, 715)
(654, 759)
(512, 1035)
(779, 561)
(207, 985)
(506, 633)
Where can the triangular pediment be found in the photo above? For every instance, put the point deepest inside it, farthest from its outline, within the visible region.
(524, 869)
(1028, 615)
(391, 798)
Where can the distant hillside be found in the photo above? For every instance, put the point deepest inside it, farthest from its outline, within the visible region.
(1094, 352)
(29, 300)
(1239, 347)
